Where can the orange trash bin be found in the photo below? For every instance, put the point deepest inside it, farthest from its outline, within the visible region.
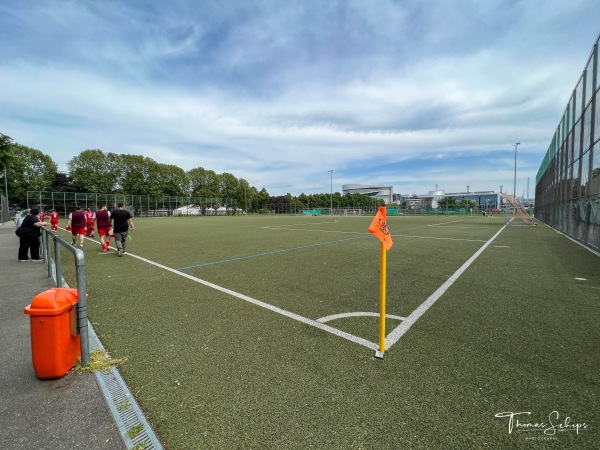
(55, 341)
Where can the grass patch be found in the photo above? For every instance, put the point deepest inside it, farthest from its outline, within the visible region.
(516, 332)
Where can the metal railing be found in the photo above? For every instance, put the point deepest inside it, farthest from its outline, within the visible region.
(50, 239)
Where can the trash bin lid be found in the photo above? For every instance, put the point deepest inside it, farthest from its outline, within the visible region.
(52, 302)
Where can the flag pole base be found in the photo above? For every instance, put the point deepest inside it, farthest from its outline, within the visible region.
(379, 354)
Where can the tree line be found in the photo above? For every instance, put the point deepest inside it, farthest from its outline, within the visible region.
(95, 171)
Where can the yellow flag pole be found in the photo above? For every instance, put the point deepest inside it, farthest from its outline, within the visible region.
(382, 289)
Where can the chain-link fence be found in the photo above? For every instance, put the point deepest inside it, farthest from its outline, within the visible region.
(139, 205)
(568, 181)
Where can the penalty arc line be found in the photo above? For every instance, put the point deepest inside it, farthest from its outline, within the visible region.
(401, 329)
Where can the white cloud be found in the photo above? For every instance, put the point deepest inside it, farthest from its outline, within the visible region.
(279, 95)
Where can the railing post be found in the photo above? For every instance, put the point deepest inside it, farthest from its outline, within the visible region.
(82, 307)
(57, 262)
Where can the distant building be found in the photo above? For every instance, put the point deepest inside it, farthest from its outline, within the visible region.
(484, 200)
(385, 193)
(435, 197)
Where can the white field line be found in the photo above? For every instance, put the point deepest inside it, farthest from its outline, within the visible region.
(443, 223)
(291, 315)
(397, 333)
(436, 238)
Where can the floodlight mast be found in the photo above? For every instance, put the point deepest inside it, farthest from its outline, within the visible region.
(331, 192)
(515, 179)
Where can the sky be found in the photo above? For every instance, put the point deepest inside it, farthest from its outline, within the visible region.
(409, 93)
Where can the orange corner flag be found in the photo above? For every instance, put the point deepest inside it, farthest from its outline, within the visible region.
(379, 228)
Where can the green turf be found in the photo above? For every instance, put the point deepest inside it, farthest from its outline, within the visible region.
(517, 332)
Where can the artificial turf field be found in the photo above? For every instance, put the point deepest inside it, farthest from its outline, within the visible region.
(235, 334)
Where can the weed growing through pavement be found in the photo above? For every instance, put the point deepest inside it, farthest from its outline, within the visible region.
(134, 431)
(124, 406)
(99, 360)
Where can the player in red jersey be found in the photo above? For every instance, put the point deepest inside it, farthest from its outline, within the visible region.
(77, 224)
(54, 220)
(103, 226)
(90, 216)
(41, 215)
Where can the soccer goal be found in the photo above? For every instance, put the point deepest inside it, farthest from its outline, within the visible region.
(520, 216)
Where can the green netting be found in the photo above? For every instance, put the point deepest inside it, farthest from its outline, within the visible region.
(578, 101)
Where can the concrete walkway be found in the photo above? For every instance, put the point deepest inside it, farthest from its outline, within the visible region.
(68, 413)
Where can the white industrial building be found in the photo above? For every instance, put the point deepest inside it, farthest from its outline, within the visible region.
(483, 199)
(384, 193)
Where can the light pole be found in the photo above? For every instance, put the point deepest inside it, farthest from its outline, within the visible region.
(515, 178)
(330, 191)
(6, 183)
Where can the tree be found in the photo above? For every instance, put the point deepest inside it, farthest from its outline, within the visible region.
(139, 176)
(252, 199)
(63, 182)
(5, 156)
(229, 185)
(95, 170)
(244, 195)
(173, 181)
(279, 204)
(197, 179)
(467, 204)
(204, 183)
(29, 170)
(447, 202)
(5, 153)
(262, 198)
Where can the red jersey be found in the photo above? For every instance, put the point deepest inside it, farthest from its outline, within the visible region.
(42, 216)
(103, 218)
(89, 216)
(77, 219)
(53, 217)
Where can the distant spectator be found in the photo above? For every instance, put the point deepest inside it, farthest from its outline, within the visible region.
(29, 239)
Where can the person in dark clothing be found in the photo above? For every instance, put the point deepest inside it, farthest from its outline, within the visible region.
(30, 237)
(121, 221)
